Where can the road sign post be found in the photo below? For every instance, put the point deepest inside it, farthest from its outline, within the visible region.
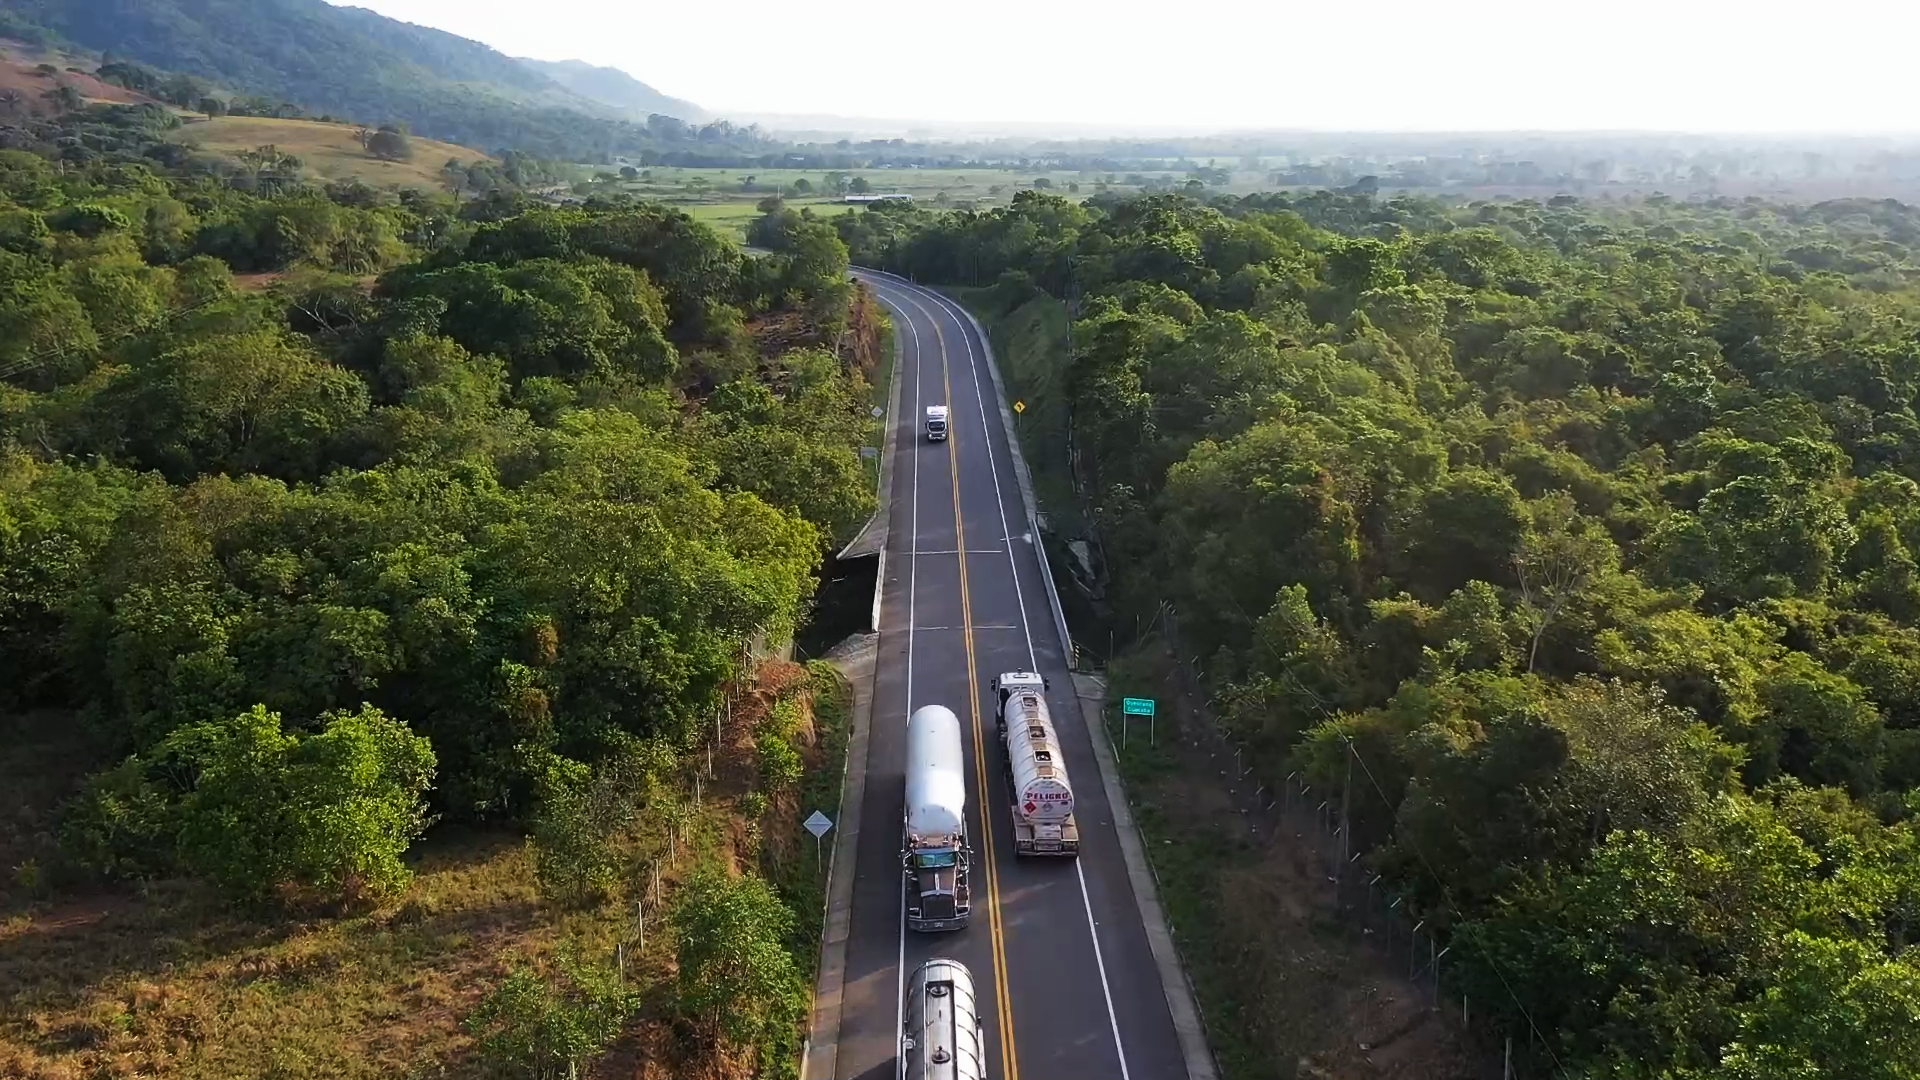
(818, 825)
(1136, 706)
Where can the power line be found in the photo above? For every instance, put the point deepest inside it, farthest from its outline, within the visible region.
(35, 360)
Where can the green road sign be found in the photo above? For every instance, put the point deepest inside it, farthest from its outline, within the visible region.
(1137, 706)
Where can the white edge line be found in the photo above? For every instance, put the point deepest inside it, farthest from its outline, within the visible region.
(1000, 503)
(913, 541)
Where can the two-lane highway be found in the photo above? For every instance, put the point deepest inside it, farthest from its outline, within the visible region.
(1066, 980)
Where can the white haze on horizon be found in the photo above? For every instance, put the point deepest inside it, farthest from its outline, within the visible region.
(1838, 67)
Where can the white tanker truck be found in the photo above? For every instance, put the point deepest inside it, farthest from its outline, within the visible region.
(941, 1037)
(1043, 822)
(934, 854)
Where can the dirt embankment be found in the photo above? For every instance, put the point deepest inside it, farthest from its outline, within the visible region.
(863, 345)
(857, 339)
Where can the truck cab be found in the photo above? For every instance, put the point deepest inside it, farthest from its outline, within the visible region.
(936, 423)
(1009, 683)
(937, 893)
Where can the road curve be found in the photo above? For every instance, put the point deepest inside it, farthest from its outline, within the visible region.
(1064, 973)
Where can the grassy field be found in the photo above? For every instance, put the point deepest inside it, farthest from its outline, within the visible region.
(725, 198)
(327, 150)
(169, 981)
(733, 217)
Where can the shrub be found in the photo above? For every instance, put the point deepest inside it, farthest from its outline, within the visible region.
(254, 809)
(549, 1028)
(738, 983)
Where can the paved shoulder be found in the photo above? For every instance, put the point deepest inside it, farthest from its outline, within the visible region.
(855, 660)
(1091, 690)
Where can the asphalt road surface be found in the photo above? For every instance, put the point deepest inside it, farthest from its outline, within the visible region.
(1066, 984)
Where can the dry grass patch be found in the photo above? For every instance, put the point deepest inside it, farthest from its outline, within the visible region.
(172, 981)
(175, 983)
(331, 151)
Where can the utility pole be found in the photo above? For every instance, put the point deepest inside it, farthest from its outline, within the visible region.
(1346, 815)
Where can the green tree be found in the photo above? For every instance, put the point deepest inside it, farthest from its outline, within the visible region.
(390, 144)
(1836, 1008)
(1559, 557)
(737, 984)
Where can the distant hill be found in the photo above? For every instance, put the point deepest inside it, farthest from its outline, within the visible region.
(355, 63)
(616, 89)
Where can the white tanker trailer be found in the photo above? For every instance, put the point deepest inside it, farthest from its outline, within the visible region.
(1043, 822)
(934, 854)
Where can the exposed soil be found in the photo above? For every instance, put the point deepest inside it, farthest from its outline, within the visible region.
(858, 345)
(19, 73)
(861, 346)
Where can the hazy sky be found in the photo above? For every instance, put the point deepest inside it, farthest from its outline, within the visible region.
(1409, 65)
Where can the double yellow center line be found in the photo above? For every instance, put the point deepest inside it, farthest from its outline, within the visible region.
(1002, 1007)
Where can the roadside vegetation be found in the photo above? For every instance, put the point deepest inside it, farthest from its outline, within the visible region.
(392, 592)
(1580, 536)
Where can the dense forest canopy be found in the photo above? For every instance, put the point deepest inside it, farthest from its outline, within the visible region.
(1587, 532)
(524, 482)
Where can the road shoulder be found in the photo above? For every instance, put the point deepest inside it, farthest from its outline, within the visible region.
(1091, 691)
(855, 659)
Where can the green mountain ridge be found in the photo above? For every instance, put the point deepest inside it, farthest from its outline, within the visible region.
(358, 64)
(615, 88)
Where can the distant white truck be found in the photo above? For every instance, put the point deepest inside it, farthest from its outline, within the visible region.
(936, 423)
(1043, 821)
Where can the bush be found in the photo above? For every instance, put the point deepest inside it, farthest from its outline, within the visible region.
(89, 219)
(574, 859)
(388, 144)
(586, 816)
(255, 809)
(780, 764)
(738, 983)
(119, 825)
(549, 1028)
